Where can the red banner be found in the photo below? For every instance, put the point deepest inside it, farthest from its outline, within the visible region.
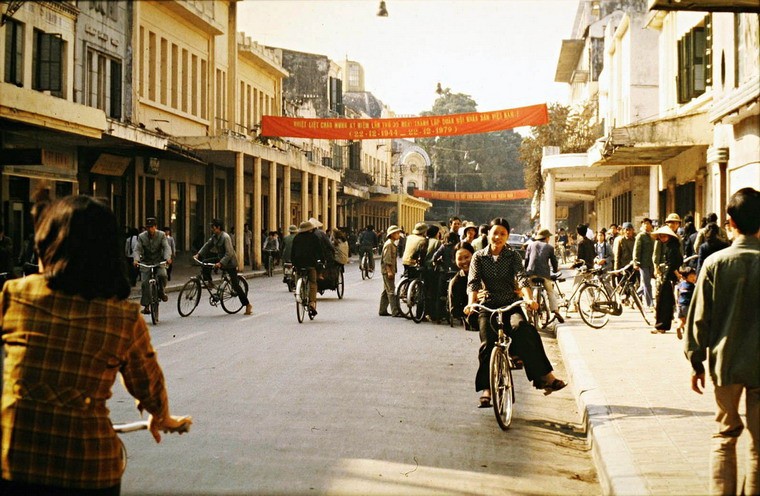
(405, 127)
(473, 196)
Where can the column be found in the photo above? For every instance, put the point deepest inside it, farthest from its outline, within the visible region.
(304, 196)
(323, 210)
(239, 212)
(549, 204)
(315, 196)
(654, 189)
(286, 216)
(258, 203)
(334, 203)
(273, 197)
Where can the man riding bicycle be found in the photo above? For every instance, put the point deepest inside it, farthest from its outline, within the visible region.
(271, 248)
(226, 260)
(367, 243)
(540, 261)
(152, 248)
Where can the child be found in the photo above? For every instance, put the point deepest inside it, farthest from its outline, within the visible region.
(685, 292)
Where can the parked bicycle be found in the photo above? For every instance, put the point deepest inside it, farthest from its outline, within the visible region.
(410, 291)
(598, 299)
(365, 265)
(500, 367)
(155, 299)
(221, 293)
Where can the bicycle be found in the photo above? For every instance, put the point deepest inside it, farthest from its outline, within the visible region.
(190, 294)
(365, 265)
(411, 292)
(142, 425)
(269, 264)
(500, 366)
(287, 276)
(600, 300)
(302, 295)
(153, 288)
(542, 316)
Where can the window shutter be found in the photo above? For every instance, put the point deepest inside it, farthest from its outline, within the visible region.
(115, 90)
(708, 50)
(698, 61)
(354, 159)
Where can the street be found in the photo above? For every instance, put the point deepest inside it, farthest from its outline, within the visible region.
(350, 403)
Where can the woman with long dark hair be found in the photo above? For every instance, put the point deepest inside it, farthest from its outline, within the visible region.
(66, 333)
(496, 277)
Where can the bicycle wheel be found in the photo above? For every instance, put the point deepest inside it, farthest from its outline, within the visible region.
(230, 299)
(302, 298)
(402, 291)
(153, 302)
(370, 269)
(341, 285)
(545, 314)
(591, 300)
(188, 298)
(632, 294)
(363, 266)
(416, 300)
(502, 392)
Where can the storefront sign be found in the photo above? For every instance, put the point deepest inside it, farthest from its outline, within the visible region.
(407, 127)
(473, 196)
(110, 165)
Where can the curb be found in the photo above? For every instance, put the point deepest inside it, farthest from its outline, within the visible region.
(616, 470)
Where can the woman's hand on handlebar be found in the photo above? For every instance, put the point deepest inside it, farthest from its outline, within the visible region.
(532, 304)
(168, 424)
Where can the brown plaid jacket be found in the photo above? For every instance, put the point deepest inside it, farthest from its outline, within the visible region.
(62, 354)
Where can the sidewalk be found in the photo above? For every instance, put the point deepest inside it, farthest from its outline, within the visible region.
(649, 432)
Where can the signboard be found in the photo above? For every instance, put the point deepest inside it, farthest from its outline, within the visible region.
(473, 196)
(406, 127)
(110, 165)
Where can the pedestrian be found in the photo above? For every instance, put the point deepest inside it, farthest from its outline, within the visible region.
(612, 234)
(287, 243)
(152, 249)
(685, 293)
(643, 251)
(225, 258)
(431, 276)
(173, 249)
(455, 223)
(415, 247)
(458, 283)
(481, 240)
(667, 275)
(673, 221)
(723, 324)
(495, 279)
(584, 257)
(307, 253)
(129, 251)
(248, 242)
(67, 333)
(722, 231)
(712, 243)
(340, 243)
(6, 255)
(388, 261)
(540, 262)
(622, 249)
(469, 232)
(603, 251)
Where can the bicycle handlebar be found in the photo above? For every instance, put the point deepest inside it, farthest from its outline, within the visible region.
(504, 309)
(142, 425)
(146, 266)
(205, 264)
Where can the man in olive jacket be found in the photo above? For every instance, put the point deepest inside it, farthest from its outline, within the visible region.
(723, 324)
(643, 249)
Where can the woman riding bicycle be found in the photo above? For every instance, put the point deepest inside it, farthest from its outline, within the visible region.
(66, 333)
(496, 275)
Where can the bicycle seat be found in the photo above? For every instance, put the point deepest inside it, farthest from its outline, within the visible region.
(537, 280)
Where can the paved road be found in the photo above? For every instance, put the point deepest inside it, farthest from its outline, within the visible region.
(349, 403)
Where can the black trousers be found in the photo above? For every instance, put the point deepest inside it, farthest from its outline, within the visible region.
(232, 273)
(526, 343)
(664, 306)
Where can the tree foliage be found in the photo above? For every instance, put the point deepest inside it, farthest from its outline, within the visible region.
(475, 162)
(573, 131)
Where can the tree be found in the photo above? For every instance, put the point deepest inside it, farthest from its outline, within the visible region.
(474, 162)
(573, 131)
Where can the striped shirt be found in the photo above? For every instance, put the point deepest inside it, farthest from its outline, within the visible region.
(500, 278)
(62, 354)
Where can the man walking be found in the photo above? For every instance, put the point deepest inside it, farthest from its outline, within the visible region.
(724, 323)
(388, 264)
(226, 259)
(643, 249)
(152, 248)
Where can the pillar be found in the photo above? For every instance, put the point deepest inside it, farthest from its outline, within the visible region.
(654, 190)
(286, 216)
(315, 196)
(304, 196)
(258, 203)
(549, 204)
(272, 222)
(323, 210)
(239, 213)
(334, 203)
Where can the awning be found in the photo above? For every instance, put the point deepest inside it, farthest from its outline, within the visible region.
(568, 60)
(706, 5)
(652, 142)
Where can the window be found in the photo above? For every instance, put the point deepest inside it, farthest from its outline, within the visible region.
(14, 52)
(104, 83)
(48, 57)
(694, 62)
(353, 77)
(336, 96)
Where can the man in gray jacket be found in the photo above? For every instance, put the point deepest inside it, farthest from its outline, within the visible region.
(152, 248)
(724, 323)
(540, 261)
(227, 260)
(643, 249)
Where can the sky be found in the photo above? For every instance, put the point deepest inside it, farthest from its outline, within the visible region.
(503, 53)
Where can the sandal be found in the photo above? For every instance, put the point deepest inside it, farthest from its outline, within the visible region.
(555, 385)
(485, 401)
